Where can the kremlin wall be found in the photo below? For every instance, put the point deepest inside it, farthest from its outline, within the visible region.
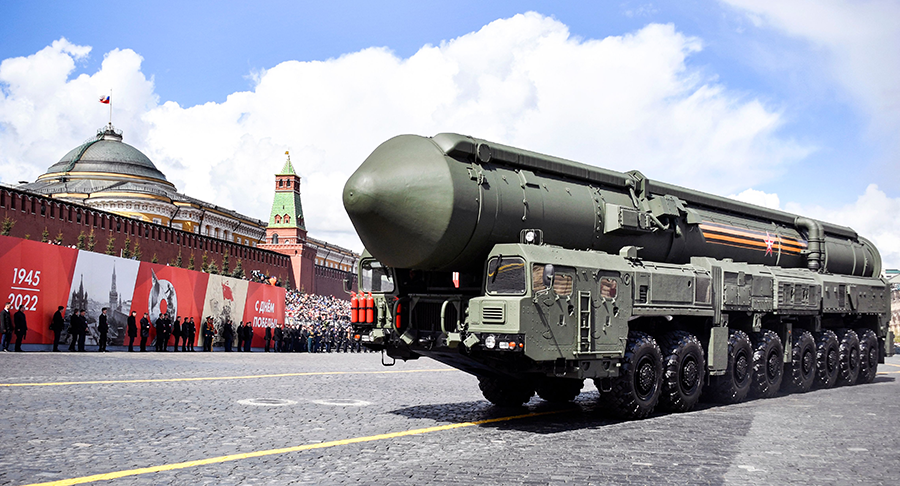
(108, 197)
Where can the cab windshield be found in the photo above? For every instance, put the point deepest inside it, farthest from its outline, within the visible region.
(375, 277)
(506, 275)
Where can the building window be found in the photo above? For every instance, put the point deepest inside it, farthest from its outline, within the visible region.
(287, 219)
(274, 238)
(43, 209)
(287, 183)
(277, 219)
(280, 182)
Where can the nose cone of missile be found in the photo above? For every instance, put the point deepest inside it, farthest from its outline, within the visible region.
(407, 206)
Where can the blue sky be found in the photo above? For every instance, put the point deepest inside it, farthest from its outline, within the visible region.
(805, 86)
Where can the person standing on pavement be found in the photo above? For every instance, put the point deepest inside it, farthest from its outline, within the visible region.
(192, 334)
(268, 336)
(167, 331)
(6, 325)
(103, 329)
(240, 337)
(248, 336)
(228, 335)
(176, 331)
(279, 338)
(56, 325)
(209, 330)
(132, 330)
(160, 331)
(20, 327)
(145, 331)
(82, 330)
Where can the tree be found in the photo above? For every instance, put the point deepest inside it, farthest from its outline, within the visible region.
(59, 238)
(111, 246)
(225, 263)
(204, 263)
(191, 262)
(154, 259)
(7, 226)
(80, 243)
(212, 268)
(137, 250)
(126, 248)
(178, 261)
(92, 241)
(238, 270)
(45, 236)
(27, 236)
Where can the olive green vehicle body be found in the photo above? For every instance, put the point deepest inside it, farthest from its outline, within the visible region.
(625, 254)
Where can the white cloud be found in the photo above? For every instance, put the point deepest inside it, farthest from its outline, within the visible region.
(872, 216)
(861, 40)
(623, 102)
(759, 198)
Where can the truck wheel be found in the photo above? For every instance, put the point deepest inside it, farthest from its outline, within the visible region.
(733, 386)
(559, 390)
(768, 364)
(827, 362)
(800, 373)
(848, 357)
(868, 355)
(635, 392)
(505, 392)
(683, 370)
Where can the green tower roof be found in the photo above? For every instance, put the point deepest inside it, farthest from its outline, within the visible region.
(287, 202)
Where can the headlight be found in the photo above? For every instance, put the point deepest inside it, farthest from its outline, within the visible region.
(490, 341)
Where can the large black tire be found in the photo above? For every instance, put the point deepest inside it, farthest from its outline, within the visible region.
(827, 361)
(559, 390)
(800, 373)
(684, 367)
(868, 355)
(734, 385)
(848, 356)
(768, 364)
(505, 392)
(635, 392)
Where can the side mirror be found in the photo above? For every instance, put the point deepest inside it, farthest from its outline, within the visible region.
(548, 276)
(348, 284)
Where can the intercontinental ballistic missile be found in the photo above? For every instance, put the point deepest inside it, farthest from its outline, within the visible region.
(442, 203)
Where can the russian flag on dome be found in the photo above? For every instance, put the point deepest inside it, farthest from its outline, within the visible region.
(104, 99)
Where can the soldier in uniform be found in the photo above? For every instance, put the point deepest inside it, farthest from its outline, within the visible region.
(82, 330)
(167, 331)
(278, 335)
(267, 337)
(209, 330)
(160, 331)
(103, 330)
(56, 325)
(192, 334)
(240, 337)
(132, 330)
(145, 331)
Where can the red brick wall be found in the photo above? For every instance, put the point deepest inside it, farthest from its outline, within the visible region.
(33, 213)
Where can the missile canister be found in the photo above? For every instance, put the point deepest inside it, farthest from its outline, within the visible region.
(442, 203)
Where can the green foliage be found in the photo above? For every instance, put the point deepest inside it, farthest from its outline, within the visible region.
(191, 262)
(7, 226)
(92, 241)
(137, 250)
(27, 236)
(212, 268)
(178, 261)
(238, 270)
(80, 243)
(204, 263)
(154, 259)
(59, 238)
(45, 236)
(126, 248)
(225, 263)
(110, 245)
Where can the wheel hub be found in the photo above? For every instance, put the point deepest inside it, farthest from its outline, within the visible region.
(831, 361)
(689, 374)
(741, 365)
(646, 378)
(773, 365)
(807, 362)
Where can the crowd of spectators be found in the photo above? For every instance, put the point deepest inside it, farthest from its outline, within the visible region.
(301, 307)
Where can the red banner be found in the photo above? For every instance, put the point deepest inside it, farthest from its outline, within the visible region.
(41, 277)
(36, 276)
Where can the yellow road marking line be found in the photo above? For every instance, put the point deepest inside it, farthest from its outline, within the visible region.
(285, 450)
(212, 378)
(886, 372)
(891, 364)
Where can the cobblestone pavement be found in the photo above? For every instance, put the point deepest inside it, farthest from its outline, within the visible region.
(845, 435)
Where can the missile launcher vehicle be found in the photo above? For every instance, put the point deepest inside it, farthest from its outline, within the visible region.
(534, 273)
